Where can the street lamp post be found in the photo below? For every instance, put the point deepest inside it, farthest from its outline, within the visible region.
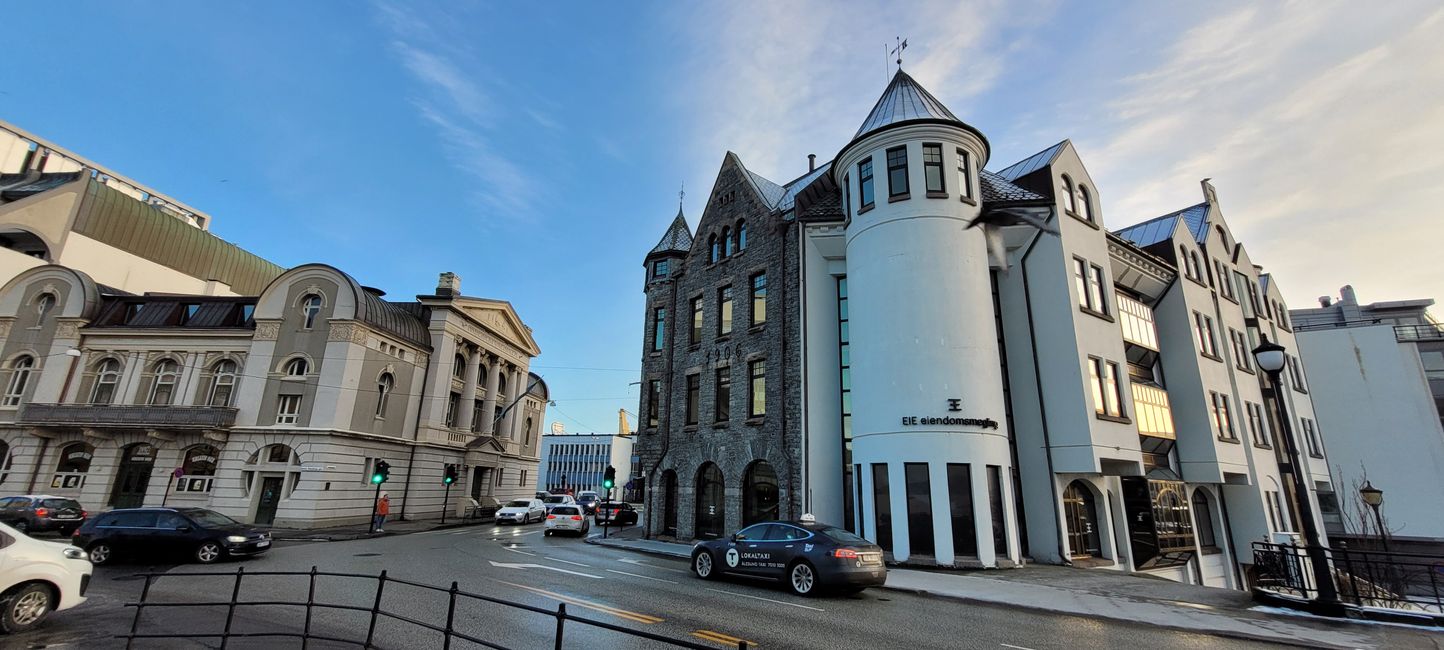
(1374, 497)
(1271, 359)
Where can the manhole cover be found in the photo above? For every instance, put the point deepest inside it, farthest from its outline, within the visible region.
(366, 555)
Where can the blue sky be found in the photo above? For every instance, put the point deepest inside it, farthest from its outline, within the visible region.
(536, 149)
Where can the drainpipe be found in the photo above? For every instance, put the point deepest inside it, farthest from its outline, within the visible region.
(1042, 403)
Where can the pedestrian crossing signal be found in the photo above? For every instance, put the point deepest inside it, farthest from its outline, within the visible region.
(381, 472)
(450, 476)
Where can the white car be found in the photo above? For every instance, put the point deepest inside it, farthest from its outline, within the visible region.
(558, 500)
(522, 511)
(567, 518)
(37, 578)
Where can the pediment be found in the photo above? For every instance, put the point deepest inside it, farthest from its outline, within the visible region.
(500, 319)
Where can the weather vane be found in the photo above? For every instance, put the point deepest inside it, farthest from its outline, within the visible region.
(681, 194)
(902, 44)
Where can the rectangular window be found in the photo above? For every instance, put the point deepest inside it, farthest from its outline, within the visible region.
(1088, 280)
(965, 175)
(759, 299)
(452, 402)
(1257, 424)
(1107, 395)
(1242, 358)
(864, 183)
(1311, 436)
(881, 506)
(1203, 327)
(960, 507)
(695, 336)
(1222, 418)
(692, 399)
(846, 197)
(661, 268)
(757, 390)
(933, 168)
(723, 394)
(522, 481)
(920, 508)
(897, 172)
(1137, 321)
(289, 409)
(1296, 374)
(1225, 280)
(654, 402)
(500, 473)
(995, 503)
(1095, 290)
(659, 327)
(724, 311)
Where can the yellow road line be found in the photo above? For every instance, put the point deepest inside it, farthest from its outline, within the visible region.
(572, 600)
(719, 637)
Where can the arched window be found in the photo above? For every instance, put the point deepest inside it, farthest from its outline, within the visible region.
(1070, 202)
(1081, 515)
(74, 458)
(4, 460)
(458, 367)
(710, 518)
(277, 453)
(383, 393)
(741, 235)
(712, 246)
(526, 433)
(310, 308)
(1203, 520)
(162, 392)
(759, 494)
(297, 367)
(1085, 203)
(44, 304)
(107, 375)
(727, 243)
(19, 379)
(198, 469)
(223, 383)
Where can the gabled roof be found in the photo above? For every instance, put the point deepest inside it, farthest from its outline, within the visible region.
(1157, 229)
(678, 238)
(790, 198)
(903, 101)
(770, 192)
(1032, 163)
(996, 189)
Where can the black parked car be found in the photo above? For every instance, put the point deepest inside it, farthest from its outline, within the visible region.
(803, 554)
(616, 513)
(178, 534)
(33, 513)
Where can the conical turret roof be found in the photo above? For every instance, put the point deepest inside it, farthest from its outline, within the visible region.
(903, 101)
(678, 238)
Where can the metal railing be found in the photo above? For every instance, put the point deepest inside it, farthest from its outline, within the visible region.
(127, 415)
(1400, 581)
(375, 613)
(1429, 332)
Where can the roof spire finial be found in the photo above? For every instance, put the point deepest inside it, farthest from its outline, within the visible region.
(681, 194)
(902, 44)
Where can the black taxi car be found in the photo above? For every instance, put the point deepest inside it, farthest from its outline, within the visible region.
(175, 534)
(805, 555)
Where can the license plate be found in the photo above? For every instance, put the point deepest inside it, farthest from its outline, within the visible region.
(67, 516)
(262, 544)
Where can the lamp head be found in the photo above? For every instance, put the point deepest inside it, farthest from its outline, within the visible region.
(1269, 356)
(1371, 495)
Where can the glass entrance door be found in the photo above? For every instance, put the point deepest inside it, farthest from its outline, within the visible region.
(133, 476)
(270, 498)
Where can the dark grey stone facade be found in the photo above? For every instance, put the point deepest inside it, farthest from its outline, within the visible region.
(674, 452)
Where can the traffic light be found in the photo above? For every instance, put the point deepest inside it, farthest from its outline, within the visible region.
(609, 479)
(381, 472)
(450, 476)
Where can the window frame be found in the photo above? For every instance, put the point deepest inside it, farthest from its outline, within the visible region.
(385, 385)
(1085, 204)
(934, 149)
(722, 395)
(897, 164)
(757, 388)
(311, 305)
(1070, 200)
(1222, 414)
(866, 192)
(694, 335)
(659, 328)
(222, 378)
(725, 311)
(166, 373)
(965, 175)
(758, 286)
(101, 373)
(1204, 335)
(654, 398)
(291, 416)
(693, 392)
(18, 382)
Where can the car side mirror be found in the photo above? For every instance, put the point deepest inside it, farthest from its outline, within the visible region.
(737, 537)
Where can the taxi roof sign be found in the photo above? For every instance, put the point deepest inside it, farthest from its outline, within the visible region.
(809, 518)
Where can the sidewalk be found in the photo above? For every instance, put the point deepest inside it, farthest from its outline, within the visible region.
(363, 531)
(1094, 594)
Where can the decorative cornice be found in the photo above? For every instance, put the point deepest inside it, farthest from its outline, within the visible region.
(1141, 261)
(267, 330)
(348, 331)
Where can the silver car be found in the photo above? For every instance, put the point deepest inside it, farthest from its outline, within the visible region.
(567, 519)
(521, 511)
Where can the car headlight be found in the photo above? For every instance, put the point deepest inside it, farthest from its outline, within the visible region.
(73, 553)
(236, 539)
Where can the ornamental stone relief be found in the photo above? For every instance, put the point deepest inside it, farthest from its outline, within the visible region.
(267, 330)
(63, 330)
(5, 327)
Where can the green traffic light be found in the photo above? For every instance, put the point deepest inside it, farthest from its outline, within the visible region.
(377, 478)
(447, 479)
(608, 484)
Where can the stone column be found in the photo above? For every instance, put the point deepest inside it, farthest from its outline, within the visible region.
(518, 419)
(468, 392)
(488, 405)
(514, 390)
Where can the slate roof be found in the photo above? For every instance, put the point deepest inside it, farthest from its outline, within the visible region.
(771, 192)
(156, 311)
(16, 186)
(1032, 163)
(678, 238)
(396, 318)
(996, 189)
(904, 100)
(790, 198)
(1157, 229)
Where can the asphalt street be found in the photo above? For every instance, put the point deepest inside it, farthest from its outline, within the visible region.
(518, 564)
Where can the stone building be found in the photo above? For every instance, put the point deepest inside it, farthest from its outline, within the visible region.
(272, 408)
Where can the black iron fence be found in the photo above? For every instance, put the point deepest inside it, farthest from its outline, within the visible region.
(374, 612)
(1407, 582)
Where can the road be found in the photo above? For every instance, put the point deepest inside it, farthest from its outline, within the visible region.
(519, 564)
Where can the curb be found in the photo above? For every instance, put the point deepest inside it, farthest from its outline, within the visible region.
(598, 542)
(347, 537)
(1231, 634)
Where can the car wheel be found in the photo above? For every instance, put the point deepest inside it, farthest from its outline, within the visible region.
(802, 578)
(26, 607)
(101, 553)
(208, 552)
(704, 566)
(547, 534)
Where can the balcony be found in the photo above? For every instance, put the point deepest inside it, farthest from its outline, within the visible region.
(127, 416)
(1430, 332)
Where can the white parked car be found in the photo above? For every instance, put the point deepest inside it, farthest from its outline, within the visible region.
(522, 511)
(37, 578)
(567, 518)
(555, 500)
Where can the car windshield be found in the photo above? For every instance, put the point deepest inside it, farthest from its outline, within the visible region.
(555, 499)
(840, 535)
(210, 518)
(519, 503)
(60, 503)
(564, 510)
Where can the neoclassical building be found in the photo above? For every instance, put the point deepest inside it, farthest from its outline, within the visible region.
(892, 343)
(271, 408)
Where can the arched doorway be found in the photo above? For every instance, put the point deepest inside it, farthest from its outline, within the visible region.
(1081, 514)
(669, 503)
(133, 475)
(711, 516)
(759, 494)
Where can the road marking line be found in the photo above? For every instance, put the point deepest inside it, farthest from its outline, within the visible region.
(570, 600)
(718, 637)
(649, 566)
(504, 548)
(636, 575)
(1016, 647)
(779, 602)
(540, 566)
(566, 561)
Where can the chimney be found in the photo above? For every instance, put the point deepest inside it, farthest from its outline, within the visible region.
(216, 287)
(811, 162)
(449, 284)
(1325, 301)
(1346, 295)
